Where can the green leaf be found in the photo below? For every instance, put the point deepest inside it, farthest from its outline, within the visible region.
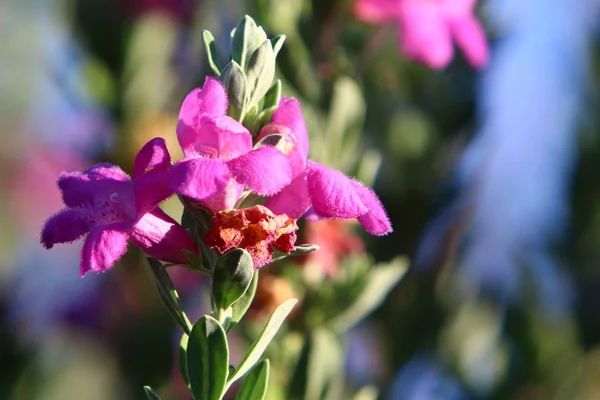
(319, 364)
(259, 346)
(183, 343)
(231, 278)
(169, 295)
(296, 251)
(273, 95)
(151, 394)
(260, 73)
(245, 39)
(234, 79)
(207, 359)
(211, 51)
(255, 383)
(380, 281)
(240, 307)
(277, 42)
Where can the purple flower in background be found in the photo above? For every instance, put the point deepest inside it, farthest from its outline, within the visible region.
(105, 203)
(427, 28)
(219, 160)
(330, 193)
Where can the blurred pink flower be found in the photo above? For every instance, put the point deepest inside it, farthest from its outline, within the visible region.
(330, 193)
(219, 160)
(427, 28)
(105, 203)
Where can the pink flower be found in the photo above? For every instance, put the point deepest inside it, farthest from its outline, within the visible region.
(105, 203)
(427, 28)
(330, 193)
(219, 160)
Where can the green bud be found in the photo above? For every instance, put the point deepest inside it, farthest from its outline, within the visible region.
(245, 39)
(232, 277)
(277, 43)
(236, 85)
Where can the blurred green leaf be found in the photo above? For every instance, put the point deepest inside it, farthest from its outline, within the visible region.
(240, 307)
(273, 95)
(232, 276)
(207, 359)
(183, 343)
(380, 281)
(151, 394)
(169, 295)
(255, 382)
(261, 343)
(211, 51)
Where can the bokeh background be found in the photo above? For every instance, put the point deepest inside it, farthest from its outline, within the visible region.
(490, 178)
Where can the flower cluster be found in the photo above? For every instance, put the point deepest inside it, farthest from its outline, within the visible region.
(427, 28)
(225, 168)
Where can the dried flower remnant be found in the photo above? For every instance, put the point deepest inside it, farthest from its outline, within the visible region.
(256, 229)
(110, 207)
(427, 28)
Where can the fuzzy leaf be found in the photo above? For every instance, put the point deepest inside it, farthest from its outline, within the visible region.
(169, 295)
(240, 307)
(260, 73)
(211, 51)
(231, 278)
(234, 79)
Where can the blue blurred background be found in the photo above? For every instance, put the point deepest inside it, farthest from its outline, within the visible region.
(489, 177)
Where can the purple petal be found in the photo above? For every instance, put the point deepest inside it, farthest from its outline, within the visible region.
(225, 199)
(265, 171)
(103, 247)
(98, 181)
(199, 178)
(154, 155)
(150, 190)
(66, 226)
(289, 113)
(332, 193)
(220, 137)
(161, 237)
(293, 199)
(211, 99)
(375, 220)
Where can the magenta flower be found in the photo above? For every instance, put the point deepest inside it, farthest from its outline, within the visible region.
(104, 202)
(330, 193)
(219, 160)
(427, 28)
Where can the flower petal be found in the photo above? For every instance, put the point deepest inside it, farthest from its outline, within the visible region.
(211, 99)
(151, 189)
(469, 36)
(424, 34)
(289, 113)
(332, 193)
(199, 178)
(265, 170)
(375, 220)
(292, 200)
(154, 155)
(161, 237)
(98, 181)
(376, 11)
(66, 226)
(103, 247)
(219, 137)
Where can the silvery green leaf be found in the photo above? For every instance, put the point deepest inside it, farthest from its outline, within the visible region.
(232, 276)
(260, 73)
(277, 42)
(240, 307)
(266, 336)
(245, 39)
(255, 383)
(151, 394)
(235, 83)
(211, 51)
